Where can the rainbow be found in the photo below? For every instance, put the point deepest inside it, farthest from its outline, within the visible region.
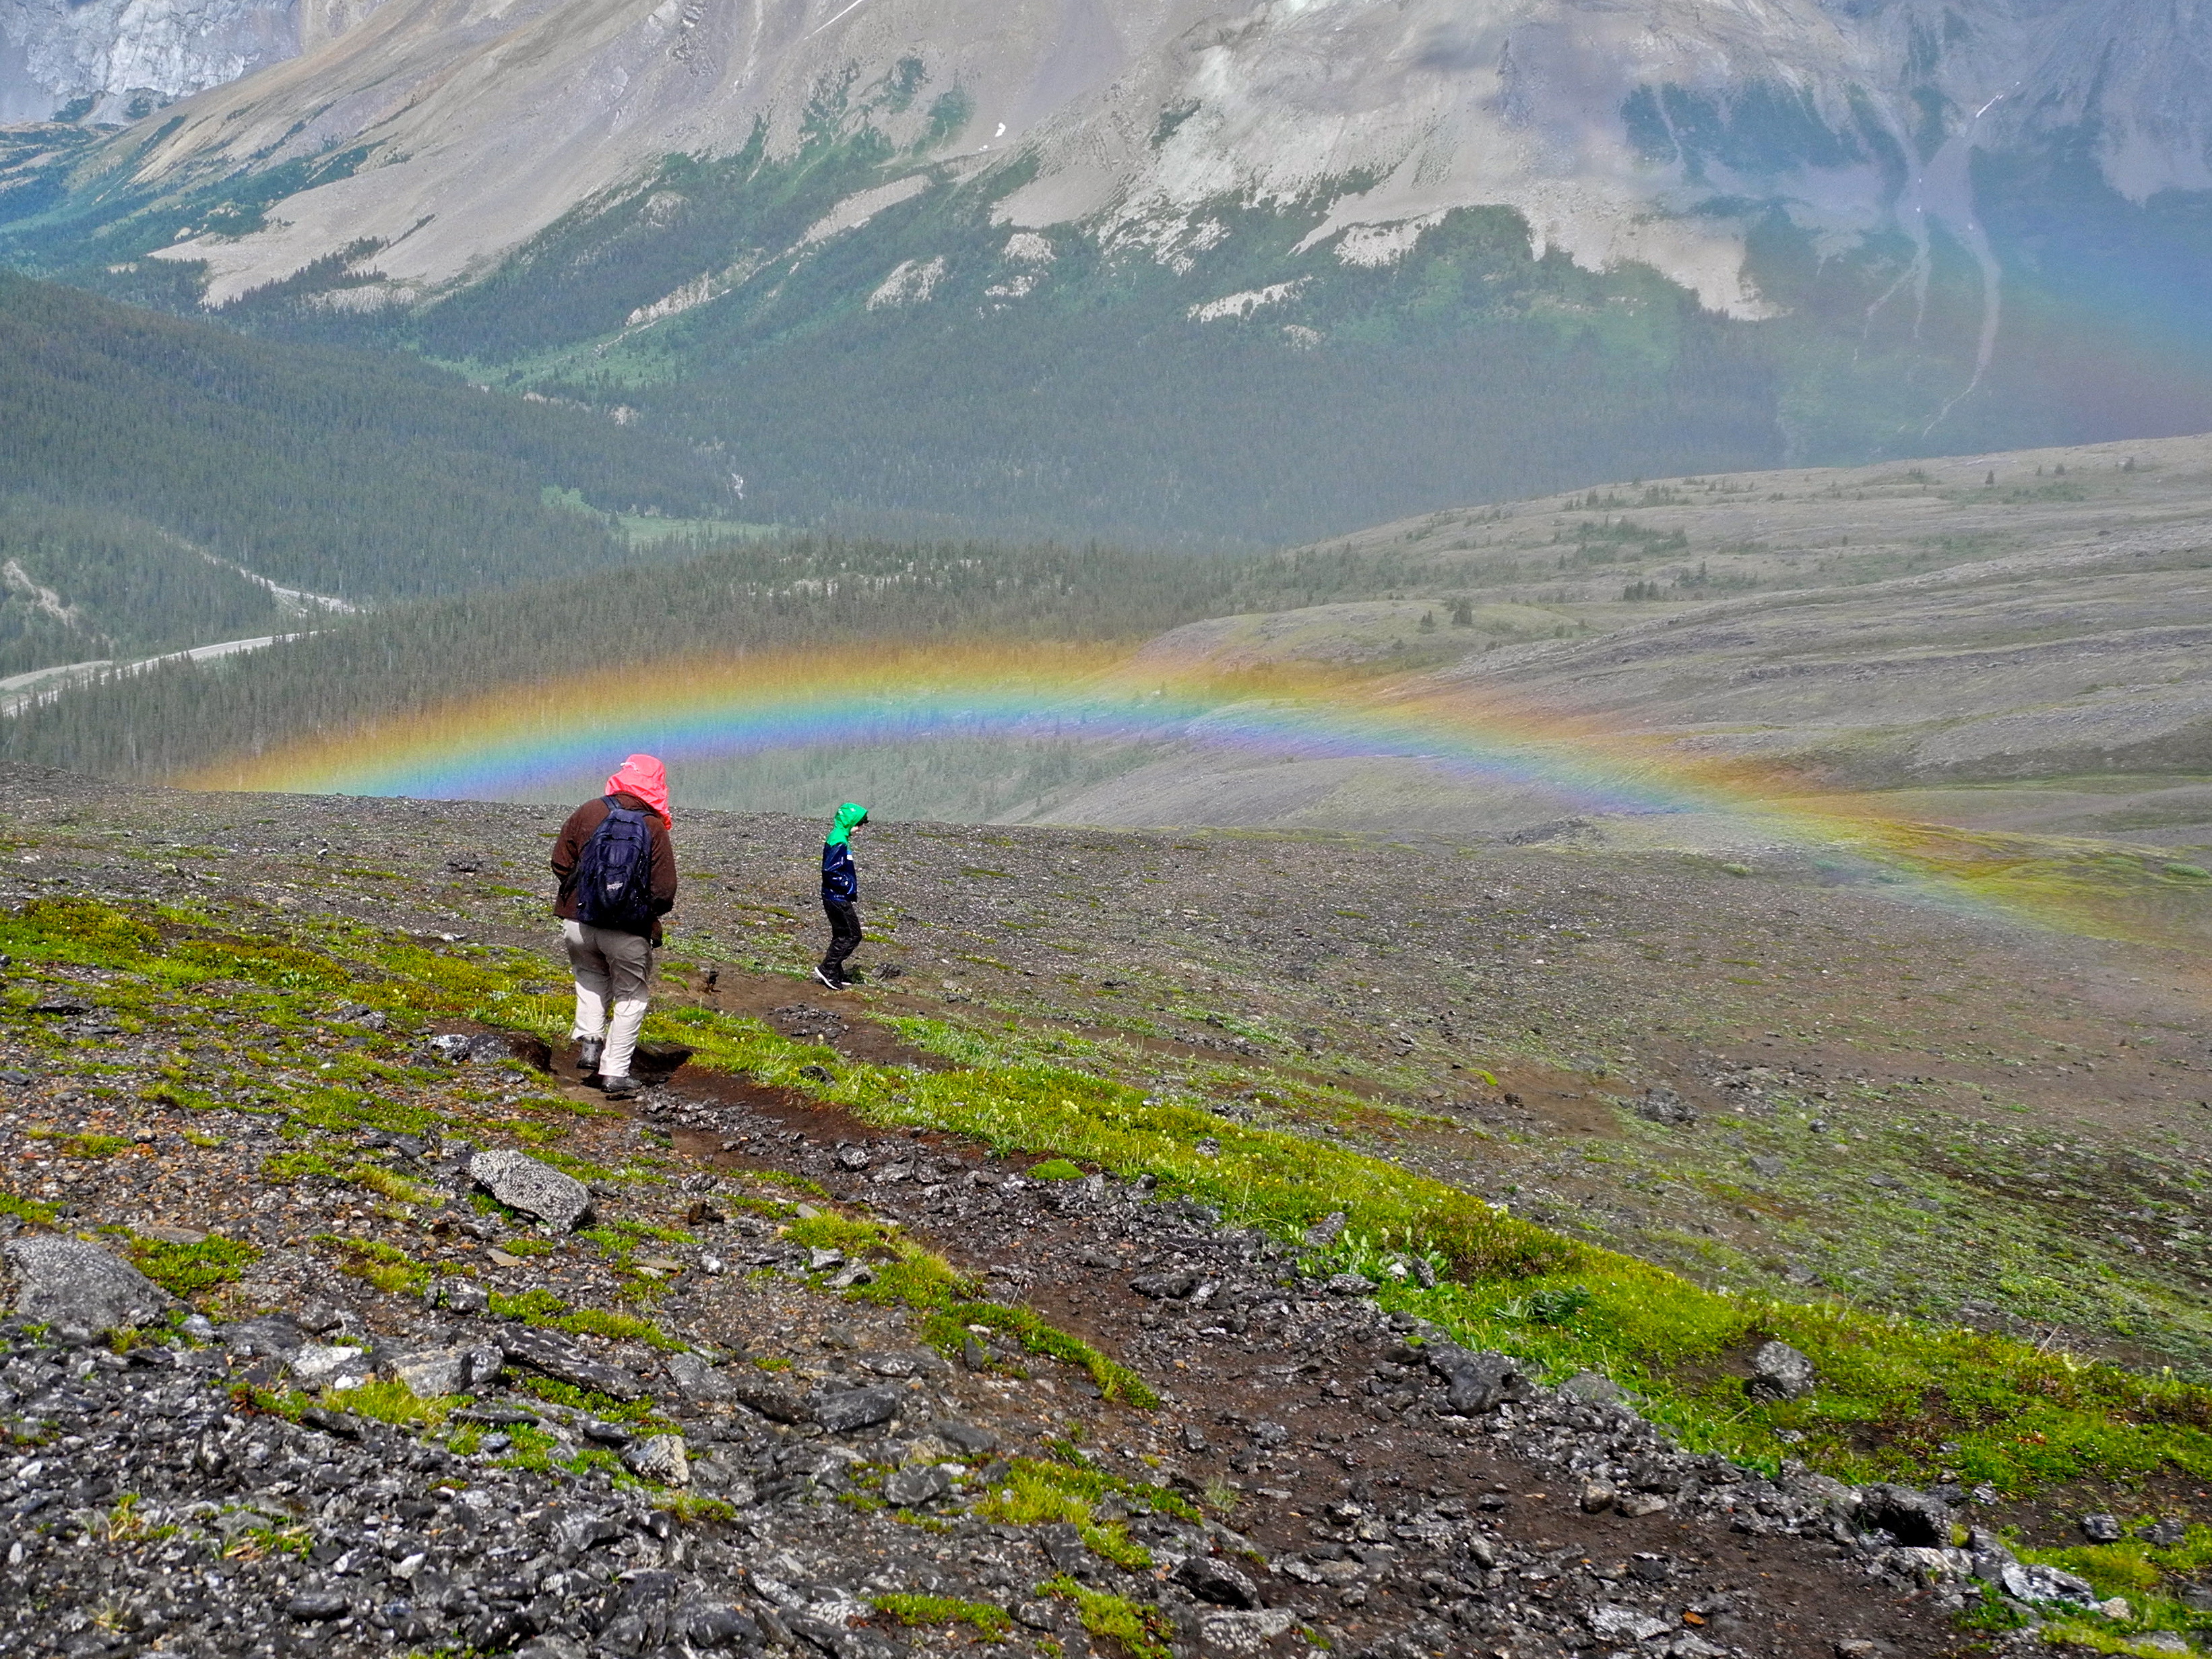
(535, 741)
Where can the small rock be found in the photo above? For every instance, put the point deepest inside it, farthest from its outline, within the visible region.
(695, 1379)
(553, 1355)
(341, 1423)
(1779, 1372)
(846, 1409)
(852, 1158)
(1232, 1632)
(2102, 1528)
(521, 1182)
(2165, 1533)
(660, 1459)
(964, 1436)
(1597, 1497)
(79, 1289)
(1661, 1104)
(1212, 1579)
(315, 1605)
(1475, 1383)
(908, 1488)
(172, 1234)
(1610, 1620)
(463, 1296)
(428, 1372)
(1348, 1285)
(1635, 1506)
(1166, 1287)
(1324, 1231)
(1768, 1168)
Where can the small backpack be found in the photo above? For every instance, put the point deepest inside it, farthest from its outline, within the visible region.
(614, 875)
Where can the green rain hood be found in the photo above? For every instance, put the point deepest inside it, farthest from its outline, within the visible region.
(849, 818)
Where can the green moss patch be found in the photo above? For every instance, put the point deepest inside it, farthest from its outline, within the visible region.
(991, 1623)
(1145, 1631)
(192, 1271)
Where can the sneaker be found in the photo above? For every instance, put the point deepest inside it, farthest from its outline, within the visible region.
(588, 1050)
(621, 1088)
(821, 977)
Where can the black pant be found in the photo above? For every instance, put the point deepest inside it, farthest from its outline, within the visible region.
(844, 935)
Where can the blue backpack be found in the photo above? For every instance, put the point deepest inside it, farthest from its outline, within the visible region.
(614, 875)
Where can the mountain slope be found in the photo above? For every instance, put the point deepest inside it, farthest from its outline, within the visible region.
(1185, 269)
(165, 483)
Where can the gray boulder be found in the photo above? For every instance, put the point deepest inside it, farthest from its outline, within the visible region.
(521, 1182)
(1475, 1383)
(1778, 1372)
(80, 1290)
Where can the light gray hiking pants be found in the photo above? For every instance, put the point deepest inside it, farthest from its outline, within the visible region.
(611, 968)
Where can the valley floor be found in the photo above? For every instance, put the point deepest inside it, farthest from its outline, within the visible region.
(1789, 1092)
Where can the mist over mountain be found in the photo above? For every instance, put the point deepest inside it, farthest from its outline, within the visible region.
(1178, 271)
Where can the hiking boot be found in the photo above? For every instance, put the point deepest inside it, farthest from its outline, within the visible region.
(835, 982)
(621, 1088)
(588, 1050)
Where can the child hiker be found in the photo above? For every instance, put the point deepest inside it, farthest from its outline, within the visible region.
(840, 895)
(617, 870)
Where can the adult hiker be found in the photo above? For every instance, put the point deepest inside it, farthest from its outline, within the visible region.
(617, 870)
(840, 895)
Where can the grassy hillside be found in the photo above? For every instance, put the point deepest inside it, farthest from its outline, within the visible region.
(143, 459)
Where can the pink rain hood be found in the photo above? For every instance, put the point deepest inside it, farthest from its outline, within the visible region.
(646, 778)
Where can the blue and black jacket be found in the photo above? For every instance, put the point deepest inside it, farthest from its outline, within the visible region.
(840, 882)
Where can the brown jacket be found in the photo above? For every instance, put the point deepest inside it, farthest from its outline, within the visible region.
(569, 849)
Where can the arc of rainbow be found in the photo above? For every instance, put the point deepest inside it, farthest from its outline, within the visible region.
(518, 739)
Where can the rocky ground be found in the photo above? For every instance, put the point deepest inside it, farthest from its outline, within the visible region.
(661, 1379)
